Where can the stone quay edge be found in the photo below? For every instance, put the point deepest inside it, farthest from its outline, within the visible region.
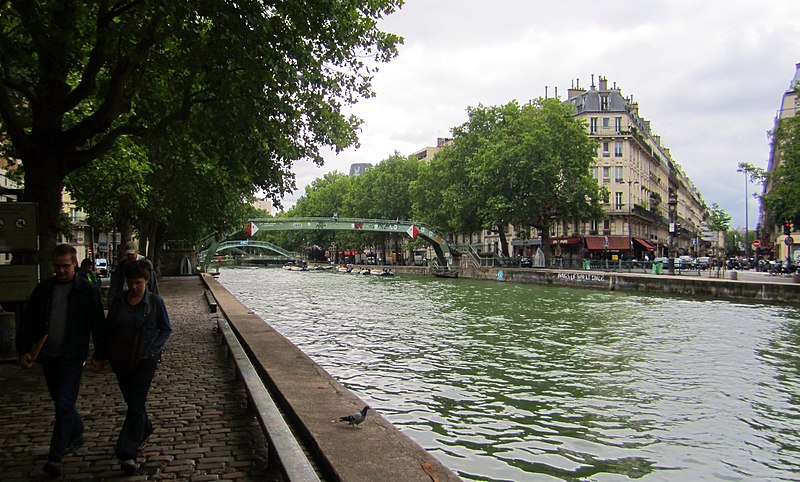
(312, 399)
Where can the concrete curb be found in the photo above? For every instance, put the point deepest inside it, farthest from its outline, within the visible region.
(312, 398)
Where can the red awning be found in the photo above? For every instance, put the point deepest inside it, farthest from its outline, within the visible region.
(562, 241)
(645, 244)
(615, 243)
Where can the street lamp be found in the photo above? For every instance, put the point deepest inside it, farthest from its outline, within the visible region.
(630, 213)
(673, 207)
(745, 170)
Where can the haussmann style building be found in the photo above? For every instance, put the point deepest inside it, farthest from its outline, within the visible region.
(772, 237)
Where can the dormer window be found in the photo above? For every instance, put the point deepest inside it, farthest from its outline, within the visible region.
(604, 102)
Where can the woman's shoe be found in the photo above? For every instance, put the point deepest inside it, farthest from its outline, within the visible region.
(128, 466)
(52, 468)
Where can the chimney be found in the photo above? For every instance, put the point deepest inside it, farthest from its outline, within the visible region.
(591, 87)
(603, 83)
(633, 107)
(575, 91)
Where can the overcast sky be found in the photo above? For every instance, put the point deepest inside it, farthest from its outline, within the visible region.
(708, 74)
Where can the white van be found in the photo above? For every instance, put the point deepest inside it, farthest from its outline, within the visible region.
(101, 266)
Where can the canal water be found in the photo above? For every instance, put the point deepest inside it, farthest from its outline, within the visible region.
(505, 381)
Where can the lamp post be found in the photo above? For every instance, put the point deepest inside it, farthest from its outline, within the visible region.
(672, 204)
(630, 214)
(745, 170)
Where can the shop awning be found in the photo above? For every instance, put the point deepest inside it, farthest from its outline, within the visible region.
(563, 241)
(615, 243)
(647, 246)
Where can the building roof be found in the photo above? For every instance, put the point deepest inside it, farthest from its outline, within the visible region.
(795, 79)
(591, 101)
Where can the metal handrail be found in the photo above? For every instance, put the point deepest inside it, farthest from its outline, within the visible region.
(283, 446)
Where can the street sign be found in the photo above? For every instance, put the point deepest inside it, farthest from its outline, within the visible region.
(788, 241)
(413, 231)
(756, 243)
(18, 227)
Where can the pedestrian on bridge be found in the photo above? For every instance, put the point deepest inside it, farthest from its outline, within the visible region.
(138, 328)
(57, 322)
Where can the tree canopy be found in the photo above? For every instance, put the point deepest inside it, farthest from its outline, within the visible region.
(203, 88)
(783, 199)
(718, 219)
(512, 164)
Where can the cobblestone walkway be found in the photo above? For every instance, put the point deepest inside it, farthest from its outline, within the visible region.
(202, 429)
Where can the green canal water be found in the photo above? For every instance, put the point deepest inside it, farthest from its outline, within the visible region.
(506, 381)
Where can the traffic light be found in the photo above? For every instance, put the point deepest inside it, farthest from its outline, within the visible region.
(787, 228)
(677, 227)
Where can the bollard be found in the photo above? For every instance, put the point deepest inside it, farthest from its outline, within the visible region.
(733, 275)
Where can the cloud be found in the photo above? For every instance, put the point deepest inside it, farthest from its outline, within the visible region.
(708, 75)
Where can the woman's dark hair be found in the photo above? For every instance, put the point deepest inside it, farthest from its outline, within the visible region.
(137, 269)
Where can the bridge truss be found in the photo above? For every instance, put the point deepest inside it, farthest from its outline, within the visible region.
(444, 255)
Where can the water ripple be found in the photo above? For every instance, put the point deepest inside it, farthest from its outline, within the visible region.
(524, 382)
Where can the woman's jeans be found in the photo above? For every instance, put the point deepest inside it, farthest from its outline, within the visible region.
(134, 386)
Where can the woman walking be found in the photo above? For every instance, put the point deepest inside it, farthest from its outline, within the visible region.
(138, 327)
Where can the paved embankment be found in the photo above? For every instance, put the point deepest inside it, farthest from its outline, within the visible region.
(202, 429)
(376, 451)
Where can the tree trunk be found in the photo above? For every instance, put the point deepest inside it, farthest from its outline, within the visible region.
(548, 253)
(158, 243)
(125, 232)
(501, 230)
(43, 186)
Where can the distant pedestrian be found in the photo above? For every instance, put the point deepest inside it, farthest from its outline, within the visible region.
(138, 328)
(87, 272)
(57, 322)
(117, 285)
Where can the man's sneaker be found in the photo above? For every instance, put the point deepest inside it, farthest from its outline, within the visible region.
(75, 444)
(52, 468)
(128, 466)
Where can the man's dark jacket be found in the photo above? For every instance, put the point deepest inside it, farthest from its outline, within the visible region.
(84, 318)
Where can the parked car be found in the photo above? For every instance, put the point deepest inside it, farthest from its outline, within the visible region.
(703, 262)
(525, 262)
(101, 266)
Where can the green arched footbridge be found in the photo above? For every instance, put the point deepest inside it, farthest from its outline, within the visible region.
(409, 228)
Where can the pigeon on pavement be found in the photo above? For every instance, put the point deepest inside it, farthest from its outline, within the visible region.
(355, 418)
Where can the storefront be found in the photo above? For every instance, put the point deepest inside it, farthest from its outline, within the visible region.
(568, 248)
(642, 247)
(524, 247)
(608, 247)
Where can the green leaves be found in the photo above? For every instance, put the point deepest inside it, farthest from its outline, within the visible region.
(511, 164)
(783, 199)
(718, 218)
(218, 97)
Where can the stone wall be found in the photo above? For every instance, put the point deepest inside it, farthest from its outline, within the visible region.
(171, 261)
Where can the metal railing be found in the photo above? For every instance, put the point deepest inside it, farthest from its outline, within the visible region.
(283, 446)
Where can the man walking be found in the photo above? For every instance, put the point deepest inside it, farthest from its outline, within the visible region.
(118, 282)
(57, 322)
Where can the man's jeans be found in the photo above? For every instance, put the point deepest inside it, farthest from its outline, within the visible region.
(63, 382)
(134, 387)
